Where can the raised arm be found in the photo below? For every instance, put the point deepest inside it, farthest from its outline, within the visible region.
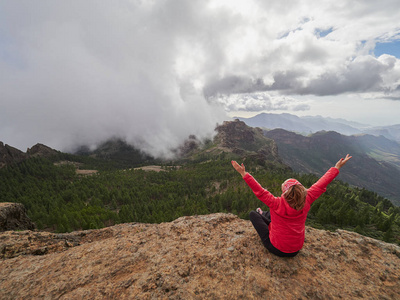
(318, 188)
(262, 194)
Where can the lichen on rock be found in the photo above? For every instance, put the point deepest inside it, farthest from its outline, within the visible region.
(216, 256)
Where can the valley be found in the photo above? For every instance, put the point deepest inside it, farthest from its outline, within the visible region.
(131, 187)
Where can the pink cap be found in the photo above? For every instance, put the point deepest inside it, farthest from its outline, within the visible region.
(289, 183)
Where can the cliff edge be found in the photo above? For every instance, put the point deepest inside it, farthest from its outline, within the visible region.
(216, 256)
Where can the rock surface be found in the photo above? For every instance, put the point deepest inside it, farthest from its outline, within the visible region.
(10, 155)
(40, 150)
(217, 256)
(13, 217)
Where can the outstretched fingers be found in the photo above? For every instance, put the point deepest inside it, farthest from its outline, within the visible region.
(343, 161)
(346, 159)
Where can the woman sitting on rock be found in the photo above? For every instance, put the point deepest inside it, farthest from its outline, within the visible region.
(282, 228)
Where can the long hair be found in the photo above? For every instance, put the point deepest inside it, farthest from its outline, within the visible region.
(296, 196)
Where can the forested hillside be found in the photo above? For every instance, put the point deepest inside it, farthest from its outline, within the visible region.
(59, 198)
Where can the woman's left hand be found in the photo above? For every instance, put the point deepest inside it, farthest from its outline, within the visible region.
(240, 168)
(342, 161)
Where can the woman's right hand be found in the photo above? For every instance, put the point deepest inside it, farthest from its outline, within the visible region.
(240, 168)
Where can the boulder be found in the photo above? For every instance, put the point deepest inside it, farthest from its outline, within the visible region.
(13, 217)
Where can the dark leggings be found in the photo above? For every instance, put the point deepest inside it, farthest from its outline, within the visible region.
(260, 223)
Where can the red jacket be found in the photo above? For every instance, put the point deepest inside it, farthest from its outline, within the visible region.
(287, 227)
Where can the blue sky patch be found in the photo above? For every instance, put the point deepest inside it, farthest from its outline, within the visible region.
(391, 48)
(323, 33)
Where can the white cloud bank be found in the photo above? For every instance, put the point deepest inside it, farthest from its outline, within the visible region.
(153, 72)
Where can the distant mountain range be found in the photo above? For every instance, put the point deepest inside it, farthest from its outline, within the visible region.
(308, 125)
(375, 164)
(312, 144)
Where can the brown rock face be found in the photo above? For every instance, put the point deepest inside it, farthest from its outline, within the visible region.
(13, 217)
(41, 151)
(217, 256)
(237, 137)
(10, 154)
(234, 134)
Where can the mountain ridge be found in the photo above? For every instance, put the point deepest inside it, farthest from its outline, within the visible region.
(10, 155)
(312, 124)
(315, 153)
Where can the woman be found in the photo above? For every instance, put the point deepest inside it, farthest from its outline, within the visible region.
(282, 228)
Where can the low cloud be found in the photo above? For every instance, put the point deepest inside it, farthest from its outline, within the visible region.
(154, 72)
(233, 85)
(260, 101)
(363, 74)
(84, 72)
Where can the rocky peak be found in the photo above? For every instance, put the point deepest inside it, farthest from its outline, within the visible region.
(234, 134)
(216, 256)
(10, 154)
(237, 137)
(41, 150)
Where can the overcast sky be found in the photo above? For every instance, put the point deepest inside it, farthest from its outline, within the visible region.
(153, 72)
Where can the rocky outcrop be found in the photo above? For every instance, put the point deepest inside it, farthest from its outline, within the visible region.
(10, 155)
(13, 217)
(41, 151)
(217, 256)
(235, 134)
(240, 139)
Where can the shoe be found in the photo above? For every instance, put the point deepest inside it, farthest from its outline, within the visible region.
(259, 210)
